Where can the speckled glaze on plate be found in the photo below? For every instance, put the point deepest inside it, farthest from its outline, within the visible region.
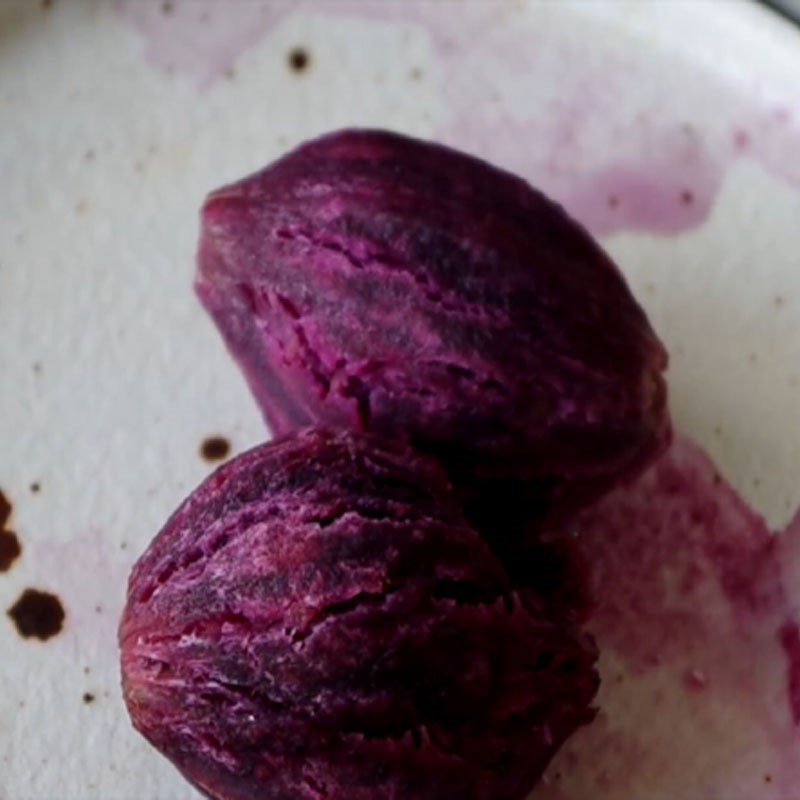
(670, 129)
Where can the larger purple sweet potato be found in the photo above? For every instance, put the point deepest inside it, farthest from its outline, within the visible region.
(318, 622)
(382, 283)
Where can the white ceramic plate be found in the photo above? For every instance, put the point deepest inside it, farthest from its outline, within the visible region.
(672, 129)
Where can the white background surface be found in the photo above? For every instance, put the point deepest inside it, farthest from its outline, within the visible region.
(104, 160)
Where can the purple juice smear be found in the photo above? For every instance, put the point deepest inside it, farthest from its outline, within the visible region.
(700, 645)
(597, 146)
(201, 38)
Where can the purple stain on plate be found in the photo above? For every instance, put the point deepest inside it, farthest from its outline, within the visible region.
(201, 38)
(597, 145)
(790, 641)
(648, 197)
(699, 642)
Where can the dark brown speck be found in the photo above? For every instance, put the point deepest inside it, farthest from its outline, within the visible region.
(687, 197)
(5, 510)
(167, 7)
(36, 487)
(10, 549)
(37, 615)
(88, 698)
(299, 59)
(215, 448)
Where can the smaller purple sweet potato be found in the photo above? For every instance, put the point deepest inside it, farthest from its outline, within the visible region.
(317, 621)
(376, 282)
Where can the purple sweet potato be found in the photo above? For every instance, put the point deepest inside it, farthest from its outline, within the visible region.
(380, 283)
(318, 621)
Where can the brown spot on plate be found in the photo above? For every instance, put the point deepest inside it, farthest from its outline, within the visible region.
(88, 698)
(687, 197)
(10, 549)
(167, 7)
(299, 59)
(36, 487)
(215, 448)
(37, 614)
(5, 510)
